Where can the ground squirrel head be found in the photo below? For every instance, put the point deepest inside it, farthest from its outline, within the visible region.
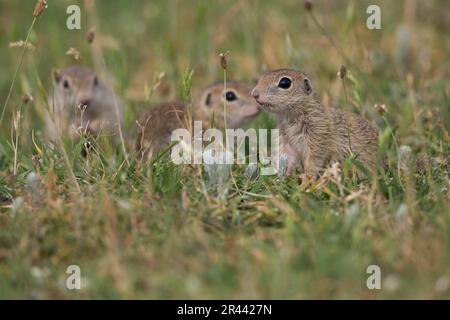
(79, 86)
(84, 103)
(281, 90)
(241, 108)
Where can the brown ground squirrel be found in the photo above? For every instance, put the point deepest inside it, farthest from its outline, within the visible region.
(83, 103)
(311, 134)
(157, 124)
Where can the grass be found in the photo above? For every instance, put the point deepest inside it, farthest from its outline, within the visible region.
(152, 231)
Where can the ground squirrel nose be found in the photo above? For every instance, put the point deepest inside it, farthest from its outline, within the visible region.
(84, 101)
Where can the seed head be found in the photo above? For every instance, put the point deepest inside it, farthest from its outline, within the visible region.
(27, 98)
(39, 8)
(36, 160)
(381, 109)
(74, 53)
(90, 36)
(308, 5)
(342, 72)
(21, 43)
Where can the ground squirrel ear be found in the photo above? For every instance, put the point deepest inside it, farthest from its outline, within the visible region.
(208, 100)
(306, 86)
(57, 75)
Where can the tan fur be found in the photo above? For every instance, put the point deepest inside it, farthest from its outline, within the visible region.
(157, 124)
(85, 105)
(310, 134)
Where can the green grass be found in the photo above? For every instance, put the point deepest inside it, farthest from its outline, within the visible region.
(152, 231)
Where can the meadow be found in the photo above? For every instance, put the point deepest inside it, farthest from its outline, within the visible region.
(153, 230)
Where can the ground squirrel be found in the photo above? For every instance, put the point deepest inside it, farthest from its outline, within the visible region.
(311, 134)
(83, 103)
(157, 124)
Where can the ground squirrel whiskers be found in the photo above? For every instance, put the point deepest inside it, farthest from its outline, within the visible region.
(83, 103)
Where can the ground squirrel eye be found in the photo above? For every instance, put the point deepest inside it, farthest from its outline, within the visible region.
(65, 84)
(95, 81)
(285, 83)
(230, 96)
